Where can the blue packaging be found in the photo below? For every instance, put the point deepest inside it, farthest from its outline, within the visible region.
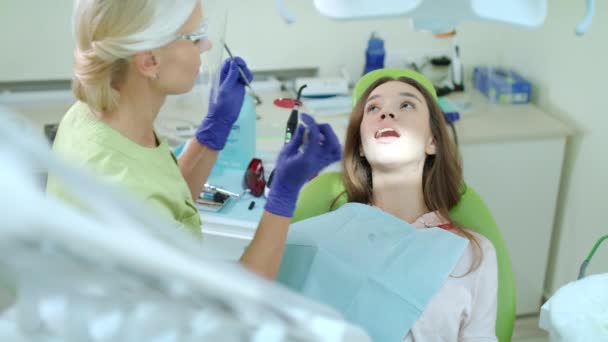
(502, 85)
(240, 146)
(450, 113)
(374, 55)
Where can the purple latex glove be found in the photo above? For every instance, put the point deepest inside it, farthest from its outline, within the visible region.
(224, 112)
(294, 167)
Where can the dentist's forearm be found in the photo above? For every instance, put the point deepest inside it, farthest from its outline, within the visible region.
(196, 164)
(264, 254)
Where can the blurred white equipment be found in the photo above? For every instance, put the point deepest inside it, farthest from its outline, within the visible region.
(440, 16)
(578, 312)
(117, 272)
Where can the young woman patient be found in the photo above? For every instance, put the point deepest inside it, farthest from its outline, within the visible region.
(399, 157)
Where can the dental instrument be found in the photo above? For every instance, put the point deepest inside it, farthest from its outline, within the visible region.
(258, 100)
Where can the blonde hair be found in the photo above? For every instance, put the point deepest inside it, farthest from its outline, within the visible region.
(108, 32)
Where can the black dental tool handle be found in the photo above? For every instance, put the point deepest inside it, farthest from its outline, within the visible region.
(292, 122)
(292, 125)
(290, 129)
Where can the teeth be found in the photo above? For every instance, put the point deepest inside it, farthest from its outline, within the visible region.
(379, 133)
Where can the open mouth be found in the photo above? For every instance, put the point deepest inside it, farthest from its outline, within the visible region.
(387, 135)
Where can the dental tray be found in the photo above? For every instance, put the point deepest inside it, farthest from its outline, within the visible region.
(208, 204)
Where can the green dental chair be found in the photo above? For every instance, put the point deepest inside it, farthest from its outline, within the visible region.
(317, 197)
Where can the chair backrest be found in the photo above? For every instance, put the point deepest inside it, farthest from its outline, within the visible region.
(319, 197)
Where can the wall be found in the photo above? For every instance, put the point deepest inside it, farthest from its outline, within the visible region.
(569, 75)
(36, 40)
(37, 44)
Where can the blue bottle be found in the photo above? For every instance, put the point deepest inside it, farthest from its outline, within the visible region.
(374, 55)
(240, 146)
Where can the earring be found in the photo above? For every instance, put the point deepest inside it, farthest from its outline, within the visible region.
(156, 77)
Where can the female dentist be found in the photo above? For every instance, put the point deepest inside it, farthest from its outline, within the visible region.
(129, 56)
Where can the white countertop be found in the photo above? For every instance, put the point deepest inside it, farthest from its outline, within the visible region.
(494, 122)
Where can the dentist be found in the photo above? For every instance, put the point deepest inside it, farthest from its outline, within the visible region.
(129, 56)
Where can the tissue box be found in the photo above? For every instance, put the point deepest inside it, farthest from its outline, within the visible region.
(502, 85)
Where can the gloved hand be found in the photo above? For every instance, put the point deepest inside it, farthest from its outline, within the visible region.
(294, 167)
(223, 113)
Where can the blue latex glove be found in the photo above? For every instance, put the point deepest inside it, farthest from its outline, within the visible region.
(224, 112)
(295, 167)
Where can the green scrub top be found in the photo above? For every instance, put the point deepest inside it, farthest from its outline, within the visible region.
(151, 174)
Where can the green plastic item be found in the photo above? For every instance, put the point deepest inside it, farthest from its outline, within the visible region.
(317, 197)
(582, 271)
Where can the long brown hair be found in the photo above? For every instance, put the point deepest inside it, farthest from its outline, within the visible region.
(442, 180)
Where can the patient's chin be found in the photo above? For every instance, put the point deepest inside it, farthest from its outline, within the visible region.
(392, 163)
(393, 157)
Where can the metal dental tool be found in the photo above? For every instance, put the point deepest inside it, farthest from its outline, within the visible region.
(257, 99)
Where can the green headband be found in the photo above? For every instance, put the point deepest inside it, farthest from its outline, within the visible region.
(368, 79)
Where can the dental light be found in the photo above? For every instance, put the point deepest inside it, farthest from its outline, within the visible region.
(440, 16)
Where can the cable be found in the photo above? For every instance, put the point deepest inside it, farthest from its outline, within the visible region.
(583, 269)
(585, 23)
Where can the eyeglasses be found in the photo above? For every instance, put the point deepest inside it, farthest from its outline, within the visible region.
(254, 179)
(198, 35)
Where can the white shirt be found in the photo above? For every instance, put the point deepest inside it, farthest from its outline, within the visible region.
(464, 309)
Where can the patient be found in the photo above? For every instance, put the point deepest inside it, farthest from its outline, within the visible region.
(400, 158)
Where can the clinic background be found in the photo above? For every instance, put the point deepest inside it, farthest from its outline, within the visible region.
(568, 74)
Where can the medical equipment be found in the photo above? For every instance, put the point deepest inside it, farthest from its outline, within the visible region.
(583, 270)
(290, 129)
(439, 16)
(287, 103)
(118, 272)
(254, 179)
(258, 100)
(585, 23)
(359, 257)
(322, 87)
(212, 202)
(292, 122)
(456, 68)
(577, 311)
(454, 82)
(213, 188)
